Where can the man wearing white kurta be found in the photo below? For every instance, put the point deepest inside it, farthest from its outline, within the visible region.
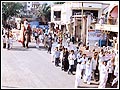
(110, 65)
(71, 59)
(88, 71)
(78, 75)
(94, 65)
(116, 74)
(103, 75)
(79, 56)
(83, 64)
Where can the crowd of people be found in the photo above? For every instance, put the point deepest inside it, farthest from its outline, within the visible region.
(99, 66)
(82, 61)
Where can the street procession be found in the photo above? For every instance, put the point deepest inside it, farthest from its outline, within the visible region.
(82, 45)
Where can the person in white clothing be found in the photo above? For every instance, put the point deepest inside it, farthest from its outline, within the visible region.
(101, 59)
(115, 80)
(88, 71)
(79, 55)
(71, 59)
(78, 75)
(4, 39)
(94, 65)
(26, 24)
(103, 75)
(110, 65)
(11, 41)
(83, 64)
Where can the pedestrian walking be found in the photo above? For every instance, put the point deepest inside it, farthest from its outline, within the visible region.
(110, 65)
(11, 41)
(62, 58)
(79, 56)
(94, 66)
(83, 64)
(57, 57)
(88, 71)
(115, 80)
(66, 62)
(78, 75)
(68, 41)
(45, 41)
(4, 39)
(71, 59)
(49, 46)
(103, 74)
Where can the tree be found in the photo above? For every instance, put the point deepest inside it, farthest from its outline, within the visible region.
(10, 9)
(44, 12)
(59, 2)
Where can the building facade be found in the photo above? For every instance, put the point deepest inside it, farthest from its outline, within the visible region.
(77, 17)
(111, 27)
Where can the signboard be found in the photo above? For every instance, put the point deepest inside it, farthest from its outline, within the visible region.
(94, 36)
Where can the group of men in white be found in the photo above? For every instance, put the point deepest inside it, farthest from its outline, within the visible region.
(86, 66)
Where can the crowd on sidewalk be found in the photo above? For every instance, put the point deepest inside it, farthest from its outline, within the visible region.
(97, 63)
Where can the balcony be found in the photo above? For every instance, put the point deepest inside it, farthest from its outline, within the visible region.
(107, 27)
(109, 21)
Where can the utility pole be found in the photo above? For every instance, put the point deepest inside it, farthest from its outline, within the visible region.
(82, 38)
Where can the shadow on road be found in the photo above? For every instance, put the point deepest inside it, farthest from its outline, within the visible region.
(94, 83)
(87, 87)
(18, 48)
(42, 48)
(9, 87)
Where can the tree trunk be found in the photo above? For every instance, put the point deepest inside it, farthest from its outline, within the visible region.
(43, 19)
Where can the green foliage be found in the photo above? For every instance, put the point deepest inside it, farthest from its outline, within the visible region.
(10, 9)
(44, 12)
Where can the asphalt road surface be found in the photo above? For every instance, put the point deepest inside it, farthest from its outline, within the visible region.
(32, 68)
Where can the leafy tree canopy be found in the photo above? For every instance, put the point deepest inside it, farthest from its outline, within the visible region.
(10, 9)
(44, 12)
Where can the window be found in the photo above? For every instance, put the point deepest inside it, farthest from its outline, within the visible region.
(57, 14)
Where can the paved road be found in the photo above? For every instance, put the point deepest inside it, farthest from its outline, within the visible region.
(32, 68)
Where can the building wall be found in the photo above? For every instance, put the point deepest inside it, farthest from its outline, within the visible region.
(66, 9)
(66, 13)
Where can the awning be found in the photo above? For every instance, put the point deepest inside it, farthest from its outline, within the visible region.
(113, 10)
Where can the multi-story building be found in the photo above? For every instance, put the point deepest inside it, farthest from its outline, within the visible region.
(78, 17)
(111, 27)
(30, 8)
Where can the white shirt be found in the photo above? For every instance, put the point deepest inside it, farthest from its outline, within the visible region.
(78, 70)
(78, 57)
(25, 24)
(110, 67)
(88, 68)
(83, 64)
(71, 59)
(4, 40)
(103, 72)
(94, 64)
